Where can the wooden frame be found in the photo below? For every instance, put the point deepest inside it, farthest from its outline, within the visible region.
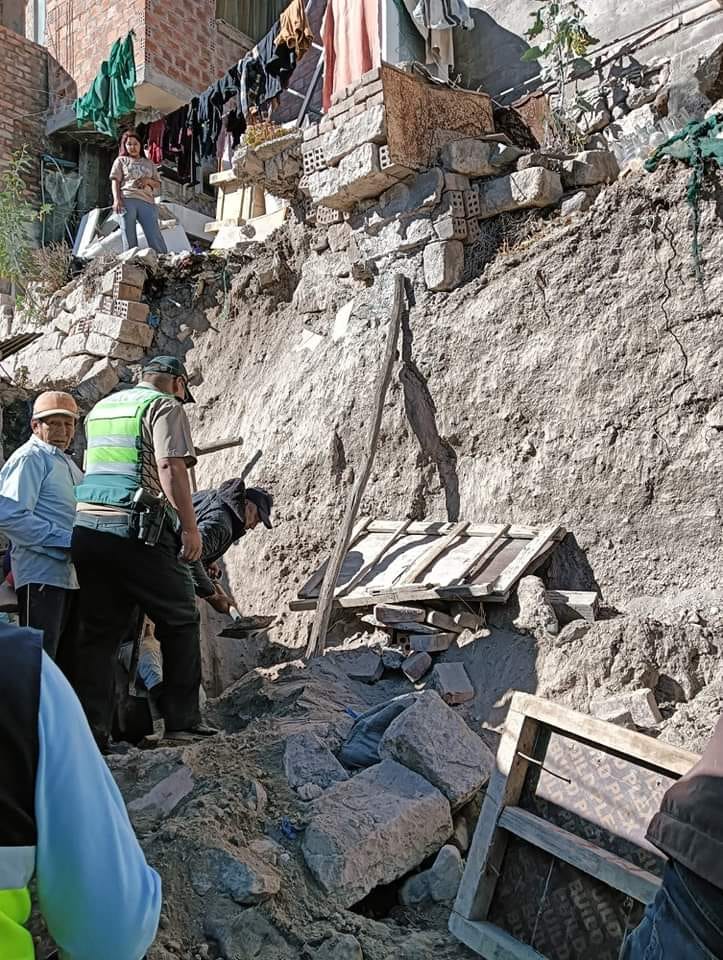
(406, 589)
(501, 818)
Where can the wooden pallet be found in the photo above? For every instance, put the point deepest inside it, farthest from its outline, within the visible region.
(405, 561)
(506, 818)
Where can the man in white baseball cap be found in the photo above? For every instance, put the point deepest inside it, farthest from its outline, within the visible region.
(37, 511)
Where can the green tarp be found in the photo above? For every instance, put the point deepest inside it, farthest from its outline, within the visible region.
(113, 92)
(693, 145)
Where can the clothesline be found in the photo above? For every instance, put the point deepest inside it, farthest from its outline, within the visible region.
(211, 125)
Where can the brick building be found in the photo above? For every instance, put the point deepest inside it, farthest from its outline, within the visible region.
(23, 103)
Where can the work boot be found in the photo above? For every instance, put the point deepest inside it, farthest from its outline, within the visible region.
(199, 732)
(159, 724)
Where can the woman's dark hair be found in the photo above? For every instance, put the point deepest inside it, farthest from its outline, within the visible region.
(128, 135)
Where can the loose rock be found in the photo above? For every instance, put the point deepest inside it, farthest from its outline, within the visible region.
(432, 740)
(307, 760)
(440, 883)
(452, 683)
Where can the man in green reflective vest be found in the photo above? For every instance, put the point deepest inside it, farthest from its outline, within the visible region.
(135, 536)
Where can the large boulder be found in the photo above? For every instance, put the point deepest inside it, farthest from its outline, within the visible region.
(431, 739)
(307, 760)
(373, 829)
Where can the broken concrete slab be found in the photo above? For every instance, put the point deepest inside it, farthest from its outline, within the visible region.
(99, 345)
(342, 946)
(443, 265)
(415, 667)
(621, 718)
(338, 236)
(443, 621)
(589, 168)
(307, 759)
(166, 795)
(359, 663)
(436, 642)
(420, 193)
(243, 876)
(368, 127)
(119, 328)
(641, 705)
(431, 739)
(358, 177)
(440, 883)
(393, 613)
(536, 614)
(477, 158)
(452, 683)
(373, 829)
(534, 187)
(98, 382)
(392, 658)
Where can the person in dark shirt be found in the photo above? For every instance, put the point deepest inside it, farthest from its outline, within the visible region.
(685, 920)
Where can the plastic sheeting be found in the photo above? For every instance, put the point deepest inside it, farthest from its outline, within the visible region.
(61, 192)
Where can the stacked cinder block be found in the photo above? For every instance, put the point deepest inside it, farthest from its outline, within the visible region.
(345, 157)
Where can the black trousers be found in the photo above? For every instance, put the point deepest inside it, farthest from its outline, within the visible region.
(118, 574)
(53, 610)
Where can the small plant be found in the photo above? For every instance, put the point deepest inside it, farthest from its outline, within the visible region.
(52, 266)
(265, 130)
(560, 42)
(17, 262)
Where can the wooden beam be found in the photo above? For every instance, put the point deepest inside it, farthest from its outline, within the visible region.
(584, 603)
(429, 556)
(479, 560)
(484, 860)
(490, 941)
(360, 574)
(219, 445)
(320, 626)
(411, 594)
(646, 751)
(616, 872)
(316, 578)
(513, 571)
(475, 530)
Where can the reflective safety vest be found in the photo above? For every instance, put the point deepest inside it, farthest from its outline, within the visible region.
(114, 457)
(20, 666)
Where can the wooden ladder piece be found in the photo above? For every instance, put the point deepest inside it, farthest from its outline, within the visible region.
(514, 570)
(367, 567)
(426, 560)
(479, 560)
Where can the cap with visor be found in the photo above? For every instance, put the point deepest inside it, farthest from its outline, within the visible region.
(175, 368)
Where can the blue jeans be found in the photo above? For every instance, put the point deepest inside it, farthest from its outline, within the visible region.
(145, 213)
(684, 922)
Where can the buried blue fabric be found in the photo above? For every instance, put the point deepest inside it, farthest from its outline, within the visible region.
(362, 745)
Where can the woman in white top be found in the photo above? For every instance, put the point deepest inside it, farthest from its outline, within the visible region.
(135, 180)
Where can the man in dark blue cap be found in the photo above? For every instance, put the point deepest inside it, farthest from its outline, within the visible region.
(134, 540)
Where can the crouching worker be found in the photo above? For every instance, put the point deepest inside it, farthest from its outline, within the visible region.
(223, 515)
(685, 920)
(63, 820)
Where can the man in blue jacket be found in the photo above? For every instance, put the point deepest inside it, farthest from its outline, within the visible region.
(63, 820)
(37, 511)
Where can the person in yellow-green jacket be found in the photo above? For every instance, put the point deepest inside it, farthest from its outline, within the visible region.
(63, 821)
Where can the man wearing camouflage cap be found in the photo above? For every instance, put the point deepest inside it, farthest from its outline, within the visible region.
(37, 510)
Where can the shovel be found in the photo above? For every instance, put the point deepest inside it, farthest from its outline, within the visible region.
(243, 625)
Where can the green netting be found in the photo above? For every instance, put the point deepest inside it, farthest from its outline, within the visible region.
(693, 145)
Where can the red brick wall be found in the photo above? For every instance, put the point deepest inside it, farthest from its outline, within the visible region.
(179, 40)
(183, 42)
(80, 33)
(23, 103)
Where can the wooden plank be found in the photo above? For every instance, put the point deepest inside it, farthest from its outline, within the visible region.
(367, 567)
(648, 752)
(489, 844)
(219, 445)
(430, 527)
(490, 941)
(402, 594)
(471, 569)
(391, 614)
(429, 556)
(315, 646)
(313, 582)
(525, 557)
(583, 602)
(591, 859)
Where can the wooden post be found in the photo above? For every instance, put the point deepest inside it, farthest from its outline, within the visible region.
(325, 603)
